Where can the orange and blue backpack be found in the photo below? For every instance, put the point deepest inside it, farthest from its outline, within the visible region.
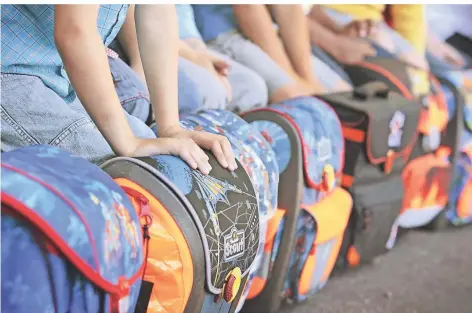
(306, 136)
(205, 233)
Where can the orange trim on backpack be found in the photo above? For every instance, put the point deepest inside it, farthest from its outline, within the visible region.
(172, 285)
(392, 78)
(332, 216)
(352, 134)
(258, 283)
(347, 180)
(425, 179)
(465, 199)
(464, 209)
(257, 286)
(272, 228)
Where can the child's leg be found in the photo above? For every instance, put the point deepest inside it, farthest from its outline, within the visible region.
(330, 80)
(211, 88)
(191, 98)
(33, 114)
(249, 89)
(281, 85)
(133, 93)
(328, 60)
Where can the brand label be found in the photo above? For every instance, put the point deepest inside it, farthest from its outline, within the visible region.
(234, 244)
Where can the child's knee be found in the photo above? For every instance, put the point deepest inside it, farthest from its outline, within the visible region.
(252, 94)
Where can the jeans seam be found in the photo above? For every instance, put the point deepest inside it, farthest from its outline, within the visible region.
(132, 98)
(17, 127)
(69, 130)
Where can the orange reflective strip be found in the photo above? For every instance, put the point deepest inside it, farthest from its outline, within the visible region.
(170, 264)
(352, 134)
(272, 228)
(332, 216)
(347, 180)
(464, 210)
(307, 274)
(257, 286)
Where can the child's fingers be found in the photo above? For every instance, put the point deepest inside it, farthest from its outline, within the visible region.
(228, 152)
(200, 158)
(218, 153)
(189, 159)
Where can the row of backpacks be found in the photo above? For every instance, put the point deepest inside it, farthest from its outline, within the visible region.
(324, 184)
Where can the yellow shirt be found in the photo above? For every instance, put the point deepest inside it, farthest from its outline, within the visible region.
(407, 19)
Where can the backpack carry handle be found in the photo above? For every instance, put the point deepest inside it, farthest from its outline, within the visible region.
(370, 90)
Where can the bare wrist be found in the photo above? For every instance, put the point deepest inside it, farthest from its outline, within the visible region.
(169, 130)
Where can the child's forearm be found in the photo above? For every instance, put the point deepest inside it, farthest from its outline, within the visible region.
(89, 73)
(324, 19)
(255, 24)
(293, 30)
(128, 40)
(157, 33)
(321, 36)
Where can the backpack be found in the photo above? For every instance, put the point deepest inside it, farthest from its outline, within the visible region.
(380, 131)
(457, 88)
(71, 239)
(306, 137)
(205, 234)
(260, 162)
(438, 131)
(459, 210)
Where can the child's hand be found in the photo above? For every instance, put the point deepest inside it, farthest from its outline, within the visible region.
(187, 145)
(360, 28)
(185, 148)
(349, 50)
(218, 67)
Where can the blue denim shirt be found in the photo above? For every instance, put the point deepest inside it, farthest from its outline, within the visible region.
(187, 26)
(214, 19)
(28, 46)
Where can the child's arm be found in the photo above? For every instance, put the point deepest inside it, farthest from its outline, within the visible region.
(129, 42)
(83, 54)
(255, 23)
(293, 30)
(344, 49)
(157, 34)
(85, 60)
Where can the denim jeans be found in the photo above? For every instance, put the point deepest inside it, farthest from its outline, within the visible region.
(134, 95)
(32, 113)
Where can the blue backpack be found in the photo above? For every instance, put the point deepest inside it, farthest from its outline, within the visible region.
(71, 240)
(306, 135)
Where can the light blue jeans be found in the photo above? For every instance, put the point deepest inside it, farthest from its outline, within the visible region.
(32, 113)
(134, 95)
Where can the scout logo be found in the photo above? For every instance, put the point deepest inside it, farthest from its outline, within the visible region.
(324, 149)
(234, 244)
(396, 132)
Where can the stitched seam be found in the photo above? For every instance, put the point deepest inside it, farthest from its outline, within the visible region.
(17, 127)
(68, 131)
(139, 96)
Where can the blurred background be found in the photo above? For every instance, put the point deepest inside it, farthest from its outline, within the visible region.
(446, 18)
